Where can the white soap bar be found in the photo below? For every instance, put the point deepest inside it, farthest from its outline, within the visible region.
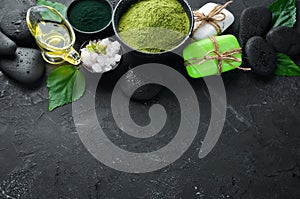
(207, 29)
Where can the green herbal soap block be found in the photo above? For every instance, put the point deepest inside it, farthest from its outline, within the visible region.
(202, 60)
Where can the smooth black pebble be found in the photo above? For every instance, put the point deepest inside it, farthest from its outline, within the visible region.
(285, 40)
(14, 26)
(26, 66)
(7, 46)
(260, 56)
(144, 92)
(254, 21)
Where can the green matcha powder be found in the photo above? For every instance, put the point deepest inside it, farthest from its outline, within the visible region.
(154, 25)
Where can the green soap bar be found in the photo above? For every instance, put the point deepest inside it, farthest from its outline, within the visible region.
(200, 48)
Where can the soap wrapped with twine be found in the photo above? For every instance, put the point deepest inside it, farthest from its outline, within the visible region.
(211, 19)
(213, 56)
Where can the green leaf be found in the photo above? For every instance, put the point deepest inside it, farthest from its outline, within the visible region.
(96, 47)
(284, 13)
(286, 66)
(66, 84)
(61, 8)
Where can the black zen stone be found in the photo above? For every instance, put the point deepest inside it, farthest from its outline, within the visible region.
(7, 46)
(254, 21)
(285, 40)
(261, 56)
(14, 26)
(26, 66)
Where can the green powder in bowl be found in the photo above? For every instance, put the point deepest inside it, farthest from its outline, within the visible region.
(89, 15)
(154, 25)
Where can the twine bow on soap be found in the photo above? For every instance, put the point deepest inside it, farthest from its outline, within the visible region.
(212, 18)
(227, 56)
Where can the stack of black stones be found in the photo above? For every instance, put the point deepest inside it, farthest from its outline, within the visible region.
(19, 58)
(260, 44)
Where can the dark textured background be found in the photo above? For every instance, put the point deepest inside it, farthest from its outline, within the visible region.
(257, 156)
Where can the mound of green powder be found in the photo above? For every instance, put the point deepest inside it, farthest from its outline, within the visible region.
(154, 25)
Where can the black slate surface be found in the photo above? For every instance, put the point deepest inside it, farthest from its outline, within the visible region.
(257, 156)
